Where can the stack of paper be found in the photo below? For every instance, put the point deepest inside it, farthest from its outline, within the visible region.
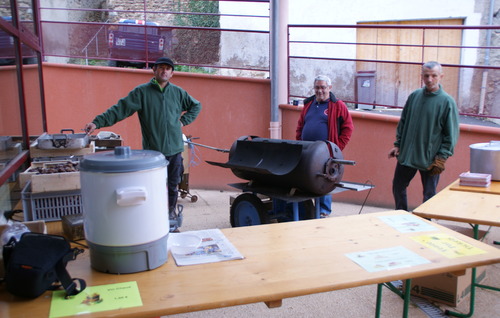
(214, 247)
(471, 179)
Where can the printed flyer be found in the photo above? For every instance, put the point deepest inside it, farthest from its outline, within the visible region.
(387, 259)
(407, 223)
(214, 247)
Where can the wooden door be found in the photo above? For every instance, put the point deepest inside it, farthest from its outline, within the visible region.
(382, 47)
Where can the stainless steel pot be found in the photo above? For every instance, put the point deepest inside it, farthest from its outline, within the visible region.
(63, 140)
(485, 158)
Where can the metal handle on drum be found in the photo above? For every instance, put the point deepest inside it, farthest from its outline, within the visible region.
(343, 162)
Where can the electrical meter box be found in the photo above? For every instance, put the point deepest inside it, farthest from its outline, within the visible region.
(365, 90)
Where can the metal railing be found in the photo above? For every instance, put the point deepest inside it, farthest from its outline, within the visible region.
(95, 40)
(395, 65)
(345, 54)
(191, 41)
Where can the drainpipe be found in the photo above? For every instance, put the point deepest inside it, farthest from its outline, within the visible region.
(278, 63)
(486, 60)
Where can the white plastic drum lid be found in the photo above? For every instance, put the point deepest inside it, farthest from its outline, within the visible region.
(122, 159)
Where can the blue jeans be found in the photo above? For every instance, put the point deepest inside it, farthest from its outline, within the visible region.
(175, 169)
(402, 177)
(325, 204)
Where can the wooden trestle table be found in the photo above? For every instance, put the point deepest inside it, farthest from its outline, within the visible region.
(281, 260)
(474, 205)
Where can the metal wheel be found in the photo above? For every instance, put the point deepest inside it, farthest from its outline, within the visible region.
(247, 209)
(194, 198)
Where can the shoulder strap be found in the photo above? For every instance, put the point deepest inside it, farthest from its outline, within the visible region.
(73, 286)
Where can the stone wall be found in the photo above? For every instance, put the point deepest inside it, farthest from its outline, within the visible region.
(136, 10)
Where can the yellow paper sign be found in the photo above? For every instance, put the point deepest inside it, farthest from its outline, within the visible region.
(447, 245)
(95, 299)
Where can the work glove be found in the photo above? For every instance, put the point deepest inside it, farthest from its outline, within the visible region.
(437, 166)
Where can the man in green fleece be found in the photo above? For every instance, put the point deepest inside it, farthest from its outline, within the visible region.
(163, 108)
(425, 137)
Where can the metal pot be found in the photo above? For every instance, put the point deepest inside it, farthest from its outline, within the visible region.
(63, 140)
(125, 209)
(485, 158)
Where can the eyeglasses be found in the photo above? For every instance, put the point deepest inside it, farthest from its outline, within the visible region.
(320, 87)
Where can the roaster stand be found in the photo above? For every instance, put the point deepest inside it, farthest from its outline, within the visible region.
(261, 204)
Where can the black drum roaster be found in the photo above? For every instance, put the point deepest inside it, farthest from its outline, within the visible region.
(310, 167)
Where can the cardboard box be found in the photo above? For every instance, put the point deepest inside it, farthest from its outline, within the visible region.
(33, 226)
(448, 288)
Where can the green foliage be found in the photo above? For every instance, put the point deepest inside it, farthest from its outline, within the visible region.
(93, 62)
(193, 69)
(98, 62)
(198, 20)
(201, 45)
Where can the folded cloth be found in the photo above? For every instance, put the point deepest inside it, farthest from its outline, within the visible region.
(437, 166)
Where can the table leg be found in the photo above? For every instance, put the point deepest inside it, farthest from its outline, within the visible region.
(379, 300)
(488, 287)
(471, 301)
(473, 286)
(476, 231)
(476, 236)
(406, 297)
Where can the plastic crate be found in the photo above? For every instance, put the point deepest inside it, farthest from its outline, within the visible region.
(50, 206)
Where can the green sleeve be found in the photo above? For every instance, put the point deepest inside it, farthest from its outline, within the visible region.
(125, 107)
(191, 108)
(451, 131)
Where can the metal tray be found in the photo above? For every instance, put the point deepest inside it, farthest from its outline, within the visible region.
(63, 140)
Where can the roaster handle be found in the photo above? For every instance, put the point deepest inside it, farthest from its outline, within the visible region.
(344, 162)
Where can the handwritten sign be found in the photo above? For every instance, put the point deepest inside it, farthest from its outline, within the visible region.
(447, 245)
(95, 299)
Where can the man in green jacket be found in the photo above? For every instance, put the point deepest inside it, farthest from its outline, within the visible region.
(163, 108)
(425, 137)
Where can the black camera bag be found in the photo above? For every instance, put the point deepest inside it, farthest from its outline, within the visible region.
(36, 262)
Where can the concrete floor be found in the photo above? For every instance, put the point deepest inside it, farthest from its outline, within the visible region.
(212, 211)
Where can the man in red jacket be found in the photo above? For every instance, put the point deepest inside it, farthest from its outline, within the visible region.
(324, 117)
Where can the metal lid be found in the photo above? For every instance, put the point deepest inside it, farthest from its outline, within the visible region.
(123, 159)
(491, 146)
